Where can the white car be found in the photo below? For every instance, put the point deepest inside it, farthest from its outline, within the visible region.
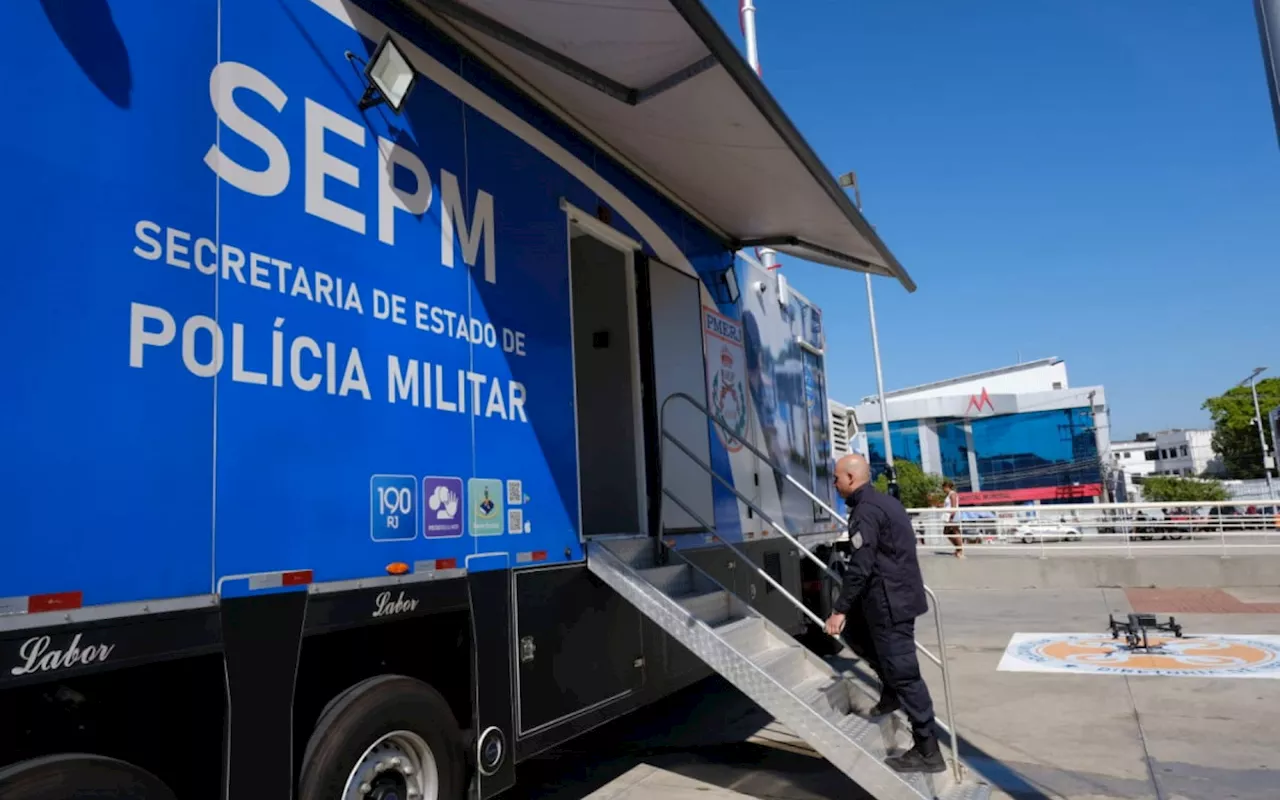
(1046, 532)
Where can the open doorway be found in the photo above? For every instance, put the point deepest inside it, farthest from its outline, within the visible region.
(606, 367)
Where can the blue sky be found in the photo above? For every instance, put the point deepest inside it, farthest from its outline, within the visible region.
(1088, 179)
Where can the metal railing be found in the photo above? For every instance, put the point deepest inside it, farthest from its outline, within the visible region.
(1125, 529)
(939, 659)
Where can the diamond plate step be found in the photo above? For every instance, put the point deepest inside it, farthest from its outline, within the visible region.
(673, 579)
(747, 636)
(711, 607)
(800, 690)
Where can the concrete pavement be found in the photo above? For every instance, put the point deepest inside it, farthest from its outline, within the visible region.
(1104, 737)
(707, 742)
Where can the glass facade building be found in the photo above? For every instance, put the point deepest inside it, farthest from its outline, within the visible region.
(1034, 450)
(904, 438)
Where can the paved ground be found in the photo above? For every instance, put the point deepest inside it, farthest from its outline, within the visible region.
(1034, 736)
(1259, 600)
(707, 742)
(1104, 737)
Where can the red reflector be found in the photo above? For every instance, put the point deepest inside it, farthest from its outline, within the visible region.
(61, 601)
(446, 563)
(539, 555)
(299, 578)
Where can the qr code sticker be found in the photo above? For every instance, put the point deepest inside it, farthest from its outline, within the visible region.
(515, 493)
(515, 520)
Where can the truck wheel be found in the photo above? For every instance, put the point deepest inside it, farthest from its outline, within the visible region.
(79, 776)
(830, 588)
(388, 737)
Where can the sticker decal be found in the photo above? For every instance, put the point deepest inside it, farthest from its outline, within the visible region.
(726, 385)
(443, 514)
(488, 517)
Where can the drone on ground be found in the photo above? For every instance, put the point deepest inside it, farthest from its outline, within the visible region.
(1136, 627)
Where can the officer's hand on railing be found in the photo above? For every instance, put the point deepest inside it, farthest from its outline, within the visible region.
(835, 624)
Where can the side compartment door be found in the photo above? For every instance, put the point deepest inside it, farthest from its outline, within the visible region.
(674, 317)
(578, 646)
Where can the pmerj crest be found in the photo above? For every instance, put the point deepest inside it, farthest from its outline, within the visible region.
(729, 398)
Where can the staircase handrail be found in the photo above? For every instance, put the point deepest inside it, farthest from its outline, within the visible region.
(939, 660)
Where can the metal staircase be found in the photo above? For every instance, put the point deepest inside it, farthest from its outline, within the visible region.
(787, 680)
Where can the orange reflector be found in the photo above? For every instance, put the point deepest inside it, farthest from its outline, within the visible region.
(59, 601)
(397, 568)
(300, 577)
(539, 555)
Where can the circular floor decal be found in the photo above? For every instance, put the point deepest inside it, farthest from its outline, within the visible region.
(1190, 656)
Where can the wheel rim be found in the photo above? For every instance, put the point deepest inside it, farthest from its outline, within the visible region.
(398, 766)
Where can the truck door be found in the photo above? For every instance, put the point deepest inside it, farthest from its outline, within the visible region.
(675, 364)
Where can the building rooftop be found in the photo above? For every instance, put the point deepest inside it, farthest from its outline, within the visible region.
(990, 373)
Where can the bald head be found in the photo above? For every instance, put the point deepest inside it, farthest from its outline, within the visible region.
(852, 473)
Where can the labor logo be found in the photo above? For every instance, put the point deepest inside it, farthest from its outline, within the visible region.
(1204, 656)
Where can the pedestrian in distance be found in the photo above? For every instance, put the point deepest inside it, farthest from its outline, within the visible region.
(883, 584)
(951, 511)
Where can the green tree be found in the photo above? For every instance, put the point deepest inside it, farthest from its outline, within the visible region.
(1172, 489)
(1235, 433)
(914, 484)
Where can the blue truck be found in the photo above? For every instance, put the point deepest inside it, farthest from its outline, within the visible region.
(347, 339)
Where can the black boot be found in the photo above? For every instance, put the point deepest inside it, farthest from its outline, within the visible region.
(924, 757)
(888, 704)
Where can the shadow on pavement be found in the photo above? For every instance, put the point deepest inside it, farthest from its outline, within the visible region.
(698, 733)
(751, 769)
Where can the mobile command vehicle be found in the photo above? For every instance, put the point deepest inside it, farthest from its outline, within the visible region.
(385, 400)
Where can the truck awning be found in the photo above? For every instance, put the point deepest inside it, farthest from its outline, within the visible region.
(659, 85)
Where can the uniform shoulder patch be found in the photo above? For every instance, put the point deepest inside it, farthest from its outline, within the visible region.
(856, 541)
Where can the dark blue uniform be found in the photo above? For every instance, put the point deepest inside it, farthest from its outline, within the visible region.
(883, 581)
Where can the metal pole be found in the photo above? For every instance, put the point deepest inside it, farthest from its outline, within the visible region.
(884, 408)
(747, 18)
(875, 349)
(849, 180)
(1262, 439)
(1268, 13)
(1257, 418)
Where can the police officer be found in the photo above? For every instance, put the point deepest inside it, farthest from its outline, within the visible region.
(883, 582)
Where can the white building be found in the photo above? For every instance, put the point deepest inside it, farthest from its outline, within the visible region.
(1042, 375)
(1186, 453)
(1015, 434)
(1134, 459)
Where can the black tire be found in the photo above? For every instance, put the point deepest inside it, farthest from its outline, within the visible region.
(80, 776)
(365, 712)
(815, 638)
(831, 589)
